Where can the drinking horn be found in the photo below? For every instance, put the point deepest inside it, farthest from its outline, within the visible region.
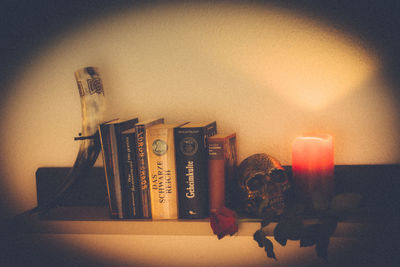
(91, 94)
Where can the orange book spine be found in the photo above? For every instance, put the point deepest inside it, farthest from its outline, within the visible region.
(222, 161)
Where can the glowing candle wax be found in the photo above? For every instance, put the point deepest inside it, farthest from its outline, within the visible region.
(313, 165)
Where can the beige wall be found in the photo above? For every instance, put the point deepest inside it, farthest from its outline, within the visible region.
(266, 73)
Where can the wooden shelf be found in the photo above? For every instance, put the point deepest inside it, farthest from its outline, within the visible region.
(95, 220)
(378, 184)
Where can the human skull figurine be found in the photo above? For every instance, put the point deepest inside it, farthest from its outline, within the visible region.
(262, 182)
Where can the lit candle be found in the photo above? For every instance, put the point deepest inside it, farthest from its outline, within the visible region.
(313, 165)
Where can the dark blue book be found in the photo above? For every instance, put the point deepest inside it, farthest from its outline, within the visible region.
(130, 174)
(117, 184)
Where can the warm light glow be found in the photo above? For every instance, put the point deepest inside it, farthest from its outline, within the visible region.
(295, 58)
(313, 164)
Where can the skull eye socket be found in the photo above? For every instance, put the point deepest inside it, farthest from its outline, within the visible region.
(278, 176)
(256, 182)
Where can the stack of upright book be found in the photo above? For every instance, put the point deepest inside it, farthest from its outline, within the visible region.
(166, 171)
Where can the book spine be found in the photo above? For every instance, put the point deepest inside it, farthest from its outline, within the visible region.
(130, 174)
(192, 171)
(230, 172)
(143, 171)
(216, 173)
(111, 168)
(162, 171)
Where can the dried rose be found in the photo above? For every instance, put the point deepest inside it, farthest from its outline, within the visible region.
(223, 222)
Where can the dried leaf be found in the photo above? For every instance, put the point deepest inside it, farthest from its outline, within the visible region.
(269, 248)
(280, 235)
(264, 242)
(259, 237)
(290, 228)
(265, 222)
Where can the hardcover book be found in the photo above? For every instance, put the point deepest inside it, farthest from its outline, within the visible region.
(162, 171)
(110, 137)
(192, 168)
(222, 164)
(142, 164)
